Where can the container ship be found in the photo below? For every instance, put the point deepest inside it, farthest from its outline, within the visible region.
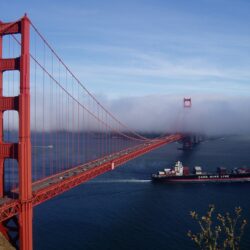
(180, 173)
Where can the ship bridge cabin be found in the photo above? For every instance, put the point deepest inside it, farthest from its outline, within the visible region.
(178, 168)
(197, 170)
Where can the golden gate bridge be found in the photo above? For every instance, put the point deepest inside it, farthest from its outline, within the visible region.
(64, 137)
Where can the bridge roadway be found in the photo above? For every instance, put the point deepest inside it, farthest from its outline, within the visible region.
(51, 186)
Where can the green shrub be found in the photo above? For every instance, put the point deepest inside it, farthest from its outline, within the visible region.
(219, 232)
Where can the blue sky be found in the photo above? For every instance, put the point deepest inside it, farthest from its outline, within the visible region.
(137, 48)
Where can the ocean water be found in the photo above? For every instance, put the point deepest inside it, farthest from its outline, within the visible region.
(123, 210)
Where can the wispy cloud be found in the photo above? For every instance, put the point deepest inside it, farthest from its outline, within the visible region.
(187, 71)
(152, 70)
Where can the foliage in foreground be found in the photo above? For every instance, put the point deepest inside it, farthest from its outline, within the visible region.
(219, 232)
(4, 244)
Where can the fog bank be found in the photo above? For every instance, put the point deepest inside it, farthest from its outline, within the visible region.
(212, 115)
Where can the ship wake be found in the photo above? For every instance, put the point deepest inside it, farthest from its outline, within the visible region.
(121, 181)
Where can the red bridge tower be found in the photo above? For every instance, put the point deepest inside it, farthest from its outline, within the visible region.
(20, 151)
(187, 103)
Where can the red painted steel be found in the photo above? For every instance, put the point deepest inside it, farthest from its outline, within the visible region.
(10, 28)
(22, 150)
(1, 115)
(9, 64)
(8, 150)
(24, 147)
(9, 209)
(9, 103)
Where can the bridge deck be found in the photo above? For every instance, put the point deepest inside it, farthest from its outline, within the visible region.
(49, 187)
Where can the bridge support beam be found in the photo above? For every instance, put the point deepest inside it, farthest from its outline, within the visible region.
(1, 123)
(22, 105)
(24, 147)
(25, 226)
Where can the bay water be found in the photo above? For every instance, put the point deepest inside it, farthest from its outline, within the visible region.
(124, 210)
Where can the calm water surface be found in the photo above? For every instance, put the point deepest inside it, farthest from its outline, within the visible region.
(124, 210)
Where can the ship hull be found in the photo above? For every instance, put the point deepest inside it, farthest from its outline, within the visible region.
(203, 178)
